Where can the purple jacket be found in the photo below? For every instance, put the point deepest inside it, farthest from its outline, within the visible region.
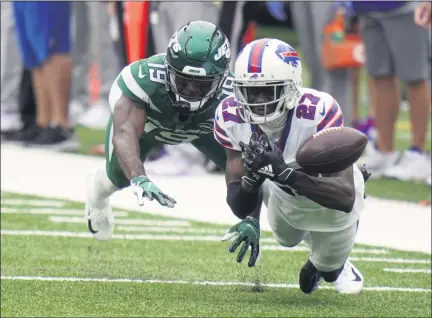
(363, 7)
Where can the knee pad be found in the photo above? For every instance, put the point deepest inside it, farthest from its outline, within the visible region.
(309, 277)
(331, 277)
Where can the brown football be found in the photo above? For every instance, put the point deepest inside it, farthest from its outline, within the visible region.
(331, 150)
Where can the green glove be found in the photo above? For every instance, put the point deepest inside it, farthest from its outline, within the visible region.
(144, 188)
(247, 231)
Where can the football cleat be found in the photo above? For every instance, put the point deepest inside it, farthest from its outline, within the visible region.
(100, 222)
(350, 280)
(309, 278)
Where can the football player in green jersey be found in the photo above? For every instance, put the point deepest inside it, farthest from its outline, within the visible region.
(165, 99)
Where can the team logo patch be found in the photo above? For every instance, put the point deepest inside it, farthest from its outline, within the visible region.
(287, 54)
(206, 126)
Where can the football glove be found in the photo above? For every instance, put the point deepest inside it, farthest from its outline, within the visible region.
(267, 162)
(251, 164)
(144, 188)
(247, 231)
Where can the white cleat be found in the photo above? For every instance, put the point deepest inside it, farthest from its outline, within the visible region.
(350, 280)
(413, 166)
(100, 222)
(378, 162)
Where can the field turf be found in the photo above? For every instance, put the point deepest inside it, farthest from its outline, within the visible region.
(163, 267)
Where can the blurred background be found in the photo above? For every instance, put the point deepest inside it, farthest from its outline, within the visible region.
(373, 58)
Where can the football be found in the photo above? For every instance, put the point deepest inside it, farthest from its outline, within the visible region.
(331, 150)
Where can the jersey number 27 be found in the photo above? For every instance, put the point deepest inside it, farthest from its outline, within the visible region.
(306, 109)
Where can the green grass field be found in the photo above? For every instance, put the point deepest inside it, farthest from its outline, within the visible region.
(162, 267)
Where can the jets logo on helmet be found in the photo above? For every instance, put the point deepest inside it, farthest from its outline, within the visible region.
(224, 50)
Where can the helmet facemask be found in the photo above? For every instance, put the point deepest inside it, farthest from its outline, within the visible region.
(194, 89)
(264, 102)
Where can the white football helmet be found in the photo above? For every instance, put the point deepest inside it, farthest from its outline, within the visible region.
(267, 80)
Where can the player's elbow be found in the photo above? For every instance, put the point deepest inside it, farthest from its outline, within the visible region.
(348, 198)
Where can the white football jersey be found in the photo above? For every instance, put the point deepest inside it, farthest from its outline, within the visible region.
(315, 111)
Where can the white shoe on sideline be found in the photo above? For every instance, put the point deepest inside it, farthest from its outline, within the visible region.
(413, 166)
(96, 116)
(378, 162)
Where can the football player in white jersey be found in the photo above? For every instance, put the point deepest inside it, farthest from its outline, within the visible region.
(261, 128)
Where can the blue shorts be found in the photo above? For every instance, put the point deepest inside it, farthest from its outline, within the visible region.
(43, 29)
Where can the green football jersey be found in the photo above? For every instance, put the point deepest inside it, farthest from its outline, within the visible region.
(144, 82)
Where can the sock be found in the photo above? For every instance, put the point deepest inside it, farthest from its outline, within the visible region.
(99, 187)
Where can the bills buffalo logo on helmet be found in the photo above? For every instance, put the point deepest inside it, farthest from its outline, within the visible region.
(287, 54)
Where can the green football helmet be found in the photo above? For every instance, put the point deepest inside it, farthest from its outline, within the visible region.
(197, 63)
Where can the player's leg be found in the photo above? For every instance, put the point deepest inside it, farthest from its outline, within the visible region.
(330, 252)
(385, 99)
(50, 37)
(103, 181)
(401, 33)
(10, 69)
(22, 11)
(288, 236)
(283, 232)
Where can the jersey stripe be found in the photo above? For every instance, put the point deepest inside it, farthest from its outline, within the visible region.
(133, 86)
(255, 56)
(219, 129)
(331, 117)
(220, 139)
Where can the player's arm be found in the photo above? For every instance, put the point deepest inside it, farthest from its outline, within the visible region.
(128, 125)
(244, 198)
(129, 102)
(244, 194)
(334, 191)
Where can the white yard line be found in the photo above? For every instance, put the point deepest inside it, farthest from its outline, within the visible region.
(32, 202)
(202, 238)
(390, 260)
(202, 283)
(306, 249)
(169, 229)
(60, 219)
(408, 270)
(52, 211)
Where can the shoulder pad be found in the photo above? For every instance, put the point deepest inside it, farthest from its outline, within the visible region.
(320, 109)
(226, 117)
(330, 114)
